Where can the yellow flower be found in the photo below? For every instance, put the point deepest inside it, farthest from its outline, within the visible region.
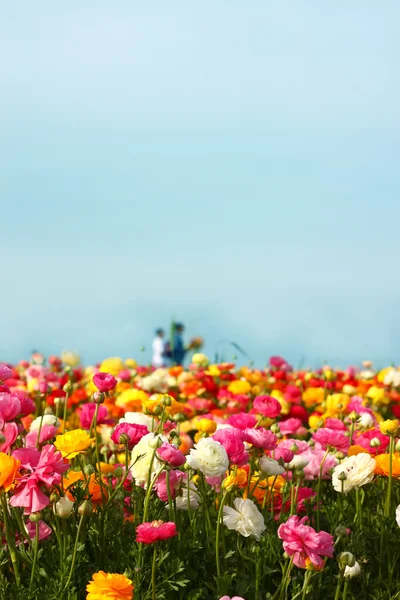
(377, 395)
(350, 390)
(213, 370)
(382, 374)
(315, 421)
(172, 407)
(278, 395)
(239, 479)
(109, 585)
(131, 363)
(8, 470)
(71, 359)
(389, 427)
(313, 396)
(112, 365)
(335, 404)
(72, 443)
(132, 400)
(200, 359)
(239, 387)
(206, 425)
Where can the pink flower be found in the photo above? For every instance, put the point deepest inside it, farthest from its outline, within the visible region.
(201, 404)
(231, 440)
(284, 453)
(267, 406)
(364, 440)
(171, 455)
(290, 426)
(46, 467)
(10, 432)
(148, 533)
(314, 457)
(47, 433)
(304, 544)
(124, 375)
(332, 423)
(242, 420)
(233, 598)
(5, 373)
(277, 362)
(104, 382)
(10, 406)
(261, 438)
(27, 404)
(290, 442)
(175, 478)
(44, 530)
(87, 413)
(134, 432)
(331, 438)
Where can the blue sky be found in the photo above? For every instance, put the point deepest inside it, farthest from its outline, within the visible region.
(234, 164)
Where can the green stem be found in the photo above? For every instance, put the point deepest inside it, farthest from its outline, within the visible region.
(389, 487)
(346, 585)
(220, 510)
(65, 412)
(170, 506)
(10, 541)
(305, 584)
(319, 485)
(338, 587)
(153, 572)
(35, 555)
(78, 535)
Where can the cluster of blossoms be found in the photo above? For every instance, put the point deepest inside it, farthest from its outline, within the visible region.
(212, 448)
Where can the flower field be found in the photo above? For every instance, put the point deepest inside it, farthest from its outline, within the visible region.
(208, 482)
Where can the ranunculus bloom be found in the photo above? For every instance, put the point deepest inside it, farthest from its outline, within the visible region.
(261, 438)
(44, 530)
(245, 518)
(5, 373)
(27, 404)
(242, 420)
(284, 453)
(277, 362)
(133, 431)
(171, 455)
(109, 585)
(105, 382)
(233, 598)
(290, 426)
(270, 466)
(44, 420)
(142, 458)
(72, 443)
(209, 457)
(332, 438)
(8, 470)
(47, 433)
(359, 470)
(87, 413)
(231, 440)
(304, 544)
(148, 533)
(313, 468)
(333, 423)
(10, 432)
(175, 478)
(267, 406)
(10, 406)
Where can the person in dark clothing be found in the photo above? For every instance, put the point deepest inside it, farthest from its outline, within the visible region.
(178, 351)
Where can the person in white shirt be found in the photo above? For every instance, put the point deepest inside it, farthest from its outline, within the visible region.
(158, 349)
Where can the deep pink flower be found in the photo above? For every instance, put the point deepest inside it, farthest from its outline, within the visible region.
(261, 438)
(44, 530)
(201, 405)
(333, 423)
(304, 544)
(277, 362)
(46, 467)
(10, 432)
(233, 598)
(290, 426)
(47, 433)
(171, 455)
(175, 478)
(364, 439)
(132, 430)
(242, 420)
(332, 438)
(104, 382)
(27, 404)
(231, 439)
(148, 533)
(125, 375)
(5, 373)
(285, 454)
(87, 413)
(267, 406)
(10, 406)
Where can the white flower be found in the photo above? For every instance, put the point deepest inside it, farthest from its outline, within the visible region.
(398, 515)
(245, 518)
(63, 508)
(358, 470)
(392, 377)
(365, 421)
(140, 419)
(298, 462)
(210, 457)
(182, 501)
(270, 466)
(45, 420)
(353, 571)
(142, 456)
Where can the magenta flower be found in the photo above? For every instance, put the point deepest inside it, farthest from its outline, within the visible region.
(10, 432)
(242, 421)
(87, 413)
(171, 455)
(47, 433)
(267, 406)
(44, 530)
(261, 438)
(45, 468)
(232, 440)
(175, 478)
(10, 406)
(134, 432)
(148, 533)
(104, 382)
(332, 438)
(290, 426)
(285, 454)
(333, 423)
(5, 373)
(304, 544)
(27, 404)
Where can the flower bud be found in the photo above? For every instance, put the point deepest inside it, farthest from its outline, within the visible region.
(397, 446)
(63, 508)
(346, 559)
(158, 410)
(43, 387)
(173, 433)
(341, 531)
(68, 387)
(294, 448)
(167, 400)
(35, 517)
(155, 443)
(118, 471)
(85, 508)
(54, 497)
(275, 428)
(353, 416)
(89, 470)
(2, 438)
(342, 476)
(98, 397)
(353, 571)
(375, 442)
(48, 410)
(124, 438)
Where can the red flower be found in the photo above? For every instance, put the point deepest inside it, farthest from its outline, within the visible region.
(148, 533)
(104, 382)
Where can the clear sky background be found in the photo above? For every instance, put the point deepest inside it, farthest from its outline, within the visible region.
(233, 163)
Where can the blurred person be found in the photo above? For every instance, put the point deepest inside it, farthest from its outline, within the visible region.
(158, 349)
(178, 350)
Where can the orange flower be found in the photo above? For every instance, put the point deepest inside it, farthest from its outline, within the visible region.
(191, 389)
(8, 470)
(172, 407)
(94, 488)
(109, 585)
(239, 479)
(353, 450)
(382, 465)
(175, 371)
